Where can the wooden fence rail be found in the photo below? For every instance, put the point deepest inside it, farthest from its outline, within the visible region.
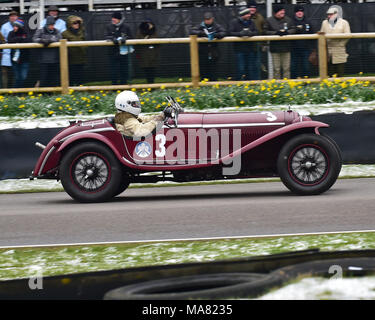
(193, 42)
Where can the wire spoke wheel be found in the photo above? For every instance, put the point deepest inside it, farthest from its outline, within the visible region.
(90, 172)
(308, 165)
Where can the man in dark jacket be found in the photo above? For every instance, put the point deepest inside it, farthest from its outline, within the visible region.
(208, 52)
(49, 57)
(301, 48)
(19, 57)
(246, 52)
(280, 24)
(118, 32)
(148, 55)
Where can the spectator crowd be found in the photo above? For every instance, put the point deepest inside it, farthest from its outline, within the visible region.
(290, 59)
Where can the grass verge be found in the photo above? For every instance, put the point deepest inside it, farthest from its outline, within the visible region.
(25, 262)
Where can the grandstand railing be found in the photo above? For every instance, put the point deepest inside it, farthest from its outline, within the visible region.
(193, 42)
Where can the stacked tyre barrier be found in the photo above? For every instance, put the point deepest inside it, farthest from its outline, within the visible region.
(226, 279)
(353, 133)
(237, 285)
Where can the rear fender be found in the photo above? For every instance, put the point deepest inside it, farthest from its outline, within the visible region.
(90, 136)
(315, 125)
(51, 156)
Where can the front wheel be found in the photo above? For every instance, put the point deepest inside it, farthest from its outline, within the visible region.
(309, 164)
(90, 172)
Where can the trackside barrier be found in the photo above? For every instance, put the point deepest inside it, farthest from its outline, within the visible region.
(272, 272)
(193, 42)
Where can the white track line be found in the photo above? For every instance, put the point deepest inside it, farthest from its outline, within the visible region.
(187, 239)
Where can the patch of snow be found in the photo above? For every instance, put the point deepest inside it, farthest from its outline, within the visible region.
(323, 289)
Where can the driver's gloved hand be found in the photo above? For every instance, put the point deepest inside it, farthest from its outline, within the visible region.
(168, 112)
(160, 117)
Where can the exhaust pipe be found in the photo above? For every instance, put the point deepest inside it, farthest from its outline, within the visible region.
(39, 145)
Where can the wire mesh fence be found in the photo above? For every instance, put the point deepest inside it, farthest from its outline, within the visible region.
(172, 61)
(177, 60)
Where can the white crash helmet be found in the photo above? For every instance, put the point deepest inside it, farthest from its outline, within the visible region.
(128, 101)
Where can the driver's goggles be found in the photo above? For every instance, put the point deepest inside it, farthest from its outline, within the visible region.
(135, 104)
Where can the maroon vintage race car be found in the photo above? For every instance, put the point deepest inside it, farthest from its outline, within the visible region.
(95, 162)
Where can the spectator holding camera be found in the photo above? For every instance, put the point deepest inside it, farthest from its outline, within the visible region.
(281, 25)
(301, 49)
(118, 32)
(49, 57)
(208, 52)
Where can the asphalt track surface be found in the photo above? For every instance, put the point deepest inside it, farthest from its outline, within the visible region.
(185, 212)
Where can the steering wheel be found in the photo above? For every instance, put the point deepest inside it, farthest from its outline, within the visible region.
(175, 111)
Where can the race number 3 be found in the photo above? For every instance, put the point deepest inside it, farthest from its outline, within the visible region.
(160, 152)
(270, 116)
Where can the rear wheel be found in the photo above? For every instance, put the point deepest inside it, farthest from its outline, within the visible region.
(90, 172)
(309, 164)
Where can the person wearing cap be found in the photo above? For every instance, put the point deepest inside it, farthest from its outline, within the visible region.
(301, 49)
(49, 57)
(53, 11)
(281, 25)
(337, 55)
(118, 32)
(77, 55)
(256, 17)
(20, 57)
(6, 63)
(148, 55)
(246, 52)
(208, 51)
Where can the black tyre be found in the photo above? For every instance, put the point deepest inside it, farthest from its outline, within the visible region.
(205, 286)
(90, 172)
(309, 164)
(336, 146)
(125, 181)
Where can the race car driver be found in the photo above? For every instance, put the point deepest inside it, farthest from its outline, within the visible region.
(129, 122)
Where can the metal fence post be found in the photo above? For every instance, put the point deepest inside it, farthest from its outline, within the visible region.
(194, 61)
(322, 52)
(64, 67)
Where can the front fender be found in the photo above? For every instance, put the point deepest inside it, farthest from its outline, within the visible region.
(274, 134)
